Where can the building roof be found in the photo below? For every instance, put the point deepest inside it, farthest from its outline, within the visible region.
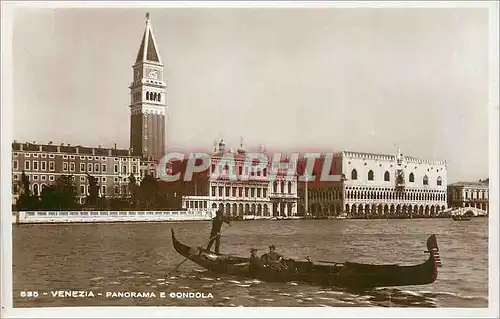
(484, 183)
(148, 50)
(70, 149)
(379, 156)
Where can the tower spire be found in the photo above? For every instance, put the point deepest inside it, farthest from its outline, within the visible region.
(148, 51)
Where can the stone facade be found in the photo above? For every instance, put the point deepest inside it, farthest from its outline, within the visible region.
(469, 194)
(379, 185)
(44, 163)
(259, 195)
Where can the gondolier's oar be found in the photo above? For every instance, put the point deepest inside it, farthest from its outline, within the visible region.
(187, 258)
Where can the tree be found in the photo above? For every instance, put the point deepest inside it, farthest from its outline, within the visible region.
(49, 198)
(148, 192)
(61, 195)
(26, 200)
(133, 189)
(91, 199)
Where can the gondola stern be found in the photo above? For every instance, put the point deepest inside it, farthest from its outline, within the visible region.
(433, 250)
(434, 258)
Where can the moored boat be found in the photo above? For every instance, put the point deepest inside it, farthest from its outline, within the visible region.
(344, 275)
(459, 218)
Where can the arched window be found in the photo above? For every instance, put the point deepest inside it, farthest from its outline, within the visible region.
(275, 186)
(412, 178)
(282, 187)
(439, 181)
(387, 176)
(35, 189)
(370, 175)
(426, 180)
(289, 187)
(159, 97)
(147, 96)
(354, 174)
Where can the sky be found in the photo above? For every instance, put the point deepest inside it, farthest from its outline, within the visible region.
(292, 79)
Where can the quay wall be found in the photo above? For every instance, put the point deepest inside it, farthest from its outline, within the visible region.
(42, 217)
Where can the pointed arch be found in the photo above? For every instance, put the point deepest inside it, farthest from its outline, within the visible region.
(411, 178)
(387, 176)
(354, 174)
(370, 175)
(425, 180)
(439, 181)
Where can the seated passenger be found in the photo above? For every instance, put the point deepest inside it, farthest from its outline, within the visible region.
(272, 256)
(273, 259)
(255, 261)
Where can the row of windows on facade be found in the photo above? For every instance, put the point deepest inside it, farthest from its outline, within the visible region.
(231, 170)
(234, 208)
(471, 194)
(232, 191)
(382, 195)
(51, 178)
(387, 177)
(196, 204)
(252, 190)
(150, 96)
(410, 196)
(65, 156)
(97, 168)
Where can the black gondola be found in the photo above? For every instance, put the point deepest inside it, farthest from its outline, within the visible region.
(343, 275)
(460, 218)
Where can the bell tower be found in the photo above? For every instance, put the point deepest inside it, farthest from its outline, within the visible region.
(148, 99)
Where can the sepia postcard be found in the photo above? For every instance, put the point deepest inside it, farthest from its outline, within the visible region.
(249, 159)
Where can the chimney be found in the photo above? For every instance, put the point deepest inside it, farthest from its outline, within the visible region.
(115, 146)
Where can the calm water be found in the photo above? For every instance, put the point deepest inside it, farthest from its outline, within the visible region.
(137, 257)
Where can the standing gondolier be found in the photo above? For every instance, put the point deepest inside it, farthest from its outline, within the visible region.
(216, 228)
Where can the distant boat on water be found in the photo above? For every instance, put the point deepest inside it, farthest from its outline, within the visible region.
(460, 218)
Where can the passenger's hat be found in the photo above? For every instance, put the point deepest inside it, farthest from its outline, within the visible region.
(253, 249)
(272, 246)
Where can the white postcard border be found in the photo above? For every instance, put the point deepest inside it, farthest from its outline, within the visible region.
(247, 312)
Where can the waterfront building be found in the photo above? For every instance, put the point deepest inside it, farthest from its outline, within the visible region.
(44, 163)
(258, 196)
(469, 194)
(376, 185)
